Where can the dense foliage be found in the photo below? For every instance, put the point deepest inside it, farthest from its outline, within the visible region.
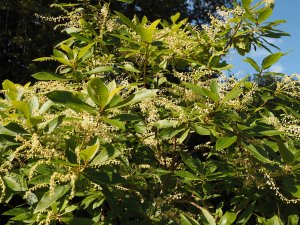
(28, 24)
(139, 125)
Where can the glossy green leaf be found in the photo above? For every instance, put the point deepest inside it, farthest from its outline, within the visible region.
(257, 154)
(146, 33)
(187, 220)
(246, 3)
(71, 100)
(127, 21)
(264, 15)
(15, 182)
(207, 218)
(50, 197)
(225, 142)
(130, 68)
(99, 69)
(228, 218)
(23, 107)
(85, 50)
(114, 122)
(175, 17)
(169, 133)
(98, 92)
(90, 151)
(186, 175)
(275, 220)
(293, 220)
(252, 63)
(54, 123)
(200, 130)
(48, 76)
(244, 217)
(103, 178)
(286, 154)
(136, 97)
(107, 152)
(271, 60)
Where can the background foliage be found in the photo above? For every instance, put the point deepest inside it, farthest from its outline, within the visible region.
(139, 125)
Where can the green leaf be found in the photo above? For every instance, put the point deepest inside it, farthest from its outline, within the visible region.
(257, 154)
(136, 97)
(130, 68)
(85, 50)
(126, 21)
(98, 92)
(146, 33)
(87, 26)
(212, 94)
(196, 89)
(234, 93)
(252, 63)
(286, 154)
(245, 216)
(200, 130)
(99, 69)
(271, 60)
(214, 90)
(107, 153)
(23, 107)
(271, 132)
(225, 142)
(165, 123)
(293, 219)
(103, 178)
(228, 218)
(183, 136)
(70, 100)
(54, 123)
(292, 187)
(13, 129)
(207, 218)
(169, 133)
(264, 15)
(90, 151)
(114, 122)
(275, 220)
(175, 17)
(49, 198)
(48, 76)
(186, 175)
(15, 182)
(13, 91)
(246, 3)
(187, 220)
(63, 61)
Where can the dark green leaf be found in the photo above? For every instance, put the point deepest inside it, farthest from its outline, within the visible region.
(48, 76)
(225, 142)
(286, 154)
(70, 100)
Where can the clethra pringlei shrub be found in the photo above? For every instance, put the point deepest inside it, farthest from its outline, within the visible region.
(139, 124)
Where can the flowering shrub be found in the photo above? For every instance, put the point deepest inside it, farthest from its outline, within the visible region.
(139, 125)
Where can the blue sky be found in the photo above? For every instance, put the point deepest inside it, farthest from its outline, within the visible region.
(288, 10)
